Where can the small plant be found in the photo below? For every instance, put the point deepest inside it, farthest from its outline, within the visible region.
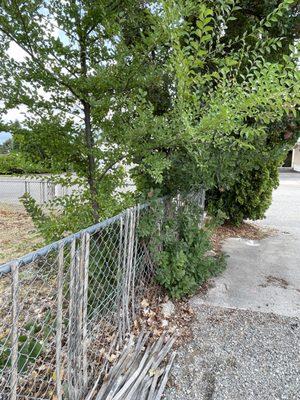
(179, 247)
(73, 212)
(29, 349)
(59, 217)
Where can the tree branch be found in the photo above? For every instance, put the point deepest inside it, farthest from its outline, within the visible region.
(42, 65)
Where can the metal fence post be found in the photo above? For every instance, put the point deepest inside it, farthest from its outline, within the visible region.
(120, 279)
(125, 305)
(59, 324)
(77, 340)
(85, 266)
(14, 330)
(72, 339)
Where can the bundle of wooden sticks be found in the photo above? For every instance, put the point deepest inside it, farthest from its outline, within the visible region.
(141, 372)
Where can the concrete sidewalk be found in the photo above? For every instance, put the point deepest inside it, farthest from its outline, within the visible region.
(247, 329)
(264, 275)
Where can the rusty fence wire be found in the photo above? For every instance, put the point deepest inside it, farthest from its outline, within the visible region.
(63, 306)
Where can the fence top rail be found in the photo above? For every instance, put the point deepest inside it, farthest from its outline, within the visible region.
(54, 179)
(30, 257)
(27, 180)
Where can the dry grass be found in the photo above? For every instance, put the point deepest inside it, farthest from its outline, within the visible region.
(17, 233)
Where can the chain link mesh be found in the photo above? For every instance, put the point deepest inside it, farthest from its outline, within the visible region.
(41, 190)
(62, 307)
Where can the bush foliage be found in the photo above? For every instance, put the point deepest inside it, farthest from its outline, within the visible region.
(257, 176)
(179, 247)
(249, 197)
(17, 164)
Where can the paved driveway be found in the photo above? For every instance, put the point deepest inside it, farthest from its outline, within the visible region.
(247, 329)
(284, 213)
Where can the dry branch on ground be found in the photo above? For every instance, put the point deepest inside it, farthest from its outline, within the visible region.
(141, 371)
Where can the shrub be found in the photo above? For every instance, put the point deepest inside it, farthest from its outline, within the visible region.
(70, 213)
(248, 198)
(16, 164)
(179, 248)
(53, 222)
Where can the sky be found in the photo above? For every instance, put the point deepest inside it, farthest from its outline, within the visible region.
(19, 54)
(16, 113)
(4, 136)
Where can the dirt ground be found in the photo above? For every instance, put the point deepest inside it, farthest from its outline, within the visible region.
(17, 233)
(246, 230)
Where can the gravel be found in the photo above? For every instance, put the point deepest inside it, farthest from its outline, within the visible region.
(238, 355)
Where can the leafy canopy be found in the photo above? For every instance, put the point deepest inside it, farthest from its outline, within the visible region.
(225, 97)
(162, 86)
(83, 64)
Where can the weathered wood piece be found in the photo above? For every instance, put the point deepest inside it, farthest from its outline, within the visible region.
(141, 372)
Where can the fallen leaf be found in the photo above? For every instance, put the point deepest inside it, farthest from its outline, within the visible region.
(145, 303)
(112, 358)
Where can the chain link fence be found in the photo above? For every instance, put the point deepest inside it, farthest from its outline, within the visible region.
(42, 190)
(64, 306)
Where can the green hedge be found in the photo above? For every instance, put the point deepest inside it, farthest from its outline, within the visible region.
(249, 198)
(16, 164)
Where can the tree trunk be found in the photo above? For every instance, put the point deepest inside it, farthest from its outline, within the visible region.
(88, 133)
(91, 160)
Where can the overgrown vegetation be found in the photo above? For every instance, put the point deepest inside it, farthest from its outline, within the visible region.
(17, 164)
(179, 245)
(185, 90)
(176, 90)
(241, 203)
(228, 110)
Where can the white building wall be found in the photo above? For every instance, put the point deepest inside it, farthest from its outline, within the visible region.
(296, 158)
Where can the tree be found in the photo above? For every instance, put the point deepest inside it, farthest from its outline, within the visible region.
(231, 104)
(251, 196)
(84, 62)
(6, 147)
